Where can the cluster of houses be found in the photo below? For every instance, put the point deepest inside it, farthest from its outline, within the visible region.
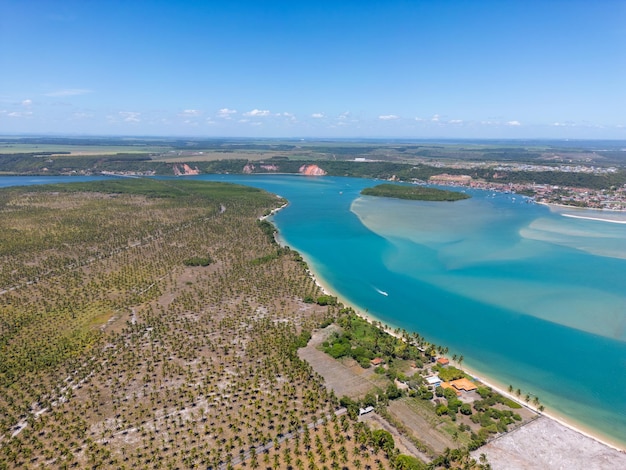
(458, 385)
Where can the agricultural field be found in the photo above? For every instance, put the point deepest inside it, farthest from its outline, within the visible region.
(156, 324)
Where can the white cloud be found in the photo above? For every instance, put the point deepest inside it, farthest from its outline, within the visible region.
(18, 114)
(435, 118)
(190, 113)
(82, 115)
(27, 103)
(317, 115)
(513, 123)
(130, 116)
(226, 113)
(344, 115)
(257, 113)
(456, 121)
(68, 92)
(388, 117)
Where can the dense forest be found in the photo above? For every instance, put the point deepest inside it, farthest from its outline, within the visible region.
(416, 193)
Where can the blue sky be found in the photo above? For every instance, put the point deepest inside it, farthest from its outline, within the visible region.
(366, 68)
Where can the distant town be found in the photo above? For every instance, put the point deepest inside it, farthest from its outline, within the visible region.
(589, 174)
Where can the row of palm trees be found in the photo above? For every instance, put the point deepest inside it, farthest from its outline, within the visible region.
(133, 359)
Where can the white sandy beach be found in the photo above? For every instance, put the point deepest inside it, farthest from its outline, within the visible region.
(600, 215)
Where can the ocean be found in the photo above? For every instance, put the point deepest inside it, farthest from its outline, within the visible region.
(531, 296)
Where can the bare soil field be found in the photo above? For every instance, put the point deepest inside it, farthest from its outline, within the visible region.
(547, 444)
(375, 421)
(423, 429)
(343, 377)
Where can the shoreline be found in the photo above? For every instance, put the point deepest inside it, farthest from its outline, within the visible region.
(562, 420)
(491, 382)
(558, 208)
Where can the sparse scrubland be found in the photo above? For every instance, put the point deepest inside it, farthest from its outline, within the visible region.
(153, 324)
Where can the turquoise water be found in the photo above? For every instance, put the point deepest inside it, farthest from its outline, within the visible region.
(529, 297)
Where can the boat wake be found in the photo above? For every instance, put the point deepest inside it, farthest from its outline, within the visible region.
(381, 292)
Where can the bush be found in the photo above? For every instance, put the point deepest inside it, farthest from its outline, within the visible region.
(326, 300)
(198, 261)
(364, 362)
(338, 350)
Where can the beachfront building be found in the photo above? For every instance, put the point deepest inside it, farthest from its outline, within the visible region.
(443, 362)
(433, 380)
(463, 385)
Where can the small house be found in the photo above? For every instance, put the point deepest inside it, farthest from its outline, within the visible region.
(464, 385)
(433, 380)
(443, 361)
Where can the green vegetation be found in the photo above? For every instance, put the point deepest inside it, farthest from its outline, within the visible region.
(114, 354)
(448, 373)
(409, 359)
(405, 161)
(198, 261)
(363, 342)
(417, 193)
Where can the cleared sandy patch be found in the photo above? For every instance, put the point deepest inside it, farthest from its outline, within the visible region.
(343, 377)
(546, 444)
